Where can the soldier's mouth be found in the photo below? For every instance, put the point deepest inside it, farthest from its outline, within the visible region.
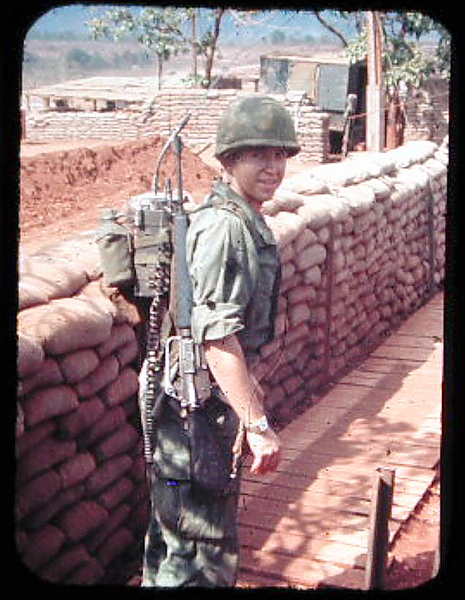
(269, 183)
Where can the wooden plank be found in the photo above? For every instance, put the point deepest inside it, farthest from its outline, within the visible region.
(317, 418)
(429, 438)
(303, 507)
(425, 455)
(394, 381)
(292, 498)
(329, 481)
(251, 579)
(429, 342)
(394, 364)
(354, 500)
(410, 354)
(347, 396)
(433, 326)
(303, 452)
(389, 425)
(349, 579)
(306, 524)
(301, 511)
(299, 491)
(292, 541)
(307, 572)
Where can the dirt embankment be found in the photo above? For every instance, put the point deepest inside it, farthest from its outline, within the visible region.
(63, 192)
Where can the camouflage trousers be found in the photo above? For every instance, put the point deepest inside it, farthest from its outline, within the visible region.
(175, 555)
(191, 538)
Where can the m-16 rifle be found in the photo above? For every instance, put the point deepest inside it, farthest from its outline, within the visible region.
(193, 371)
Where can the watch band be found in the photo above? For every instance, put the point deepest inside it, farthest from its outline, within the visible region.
(259, 426)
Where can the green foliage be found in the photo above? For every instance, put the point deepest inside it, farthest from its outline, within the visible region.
(199, 81)
(164, 31)
(357, 49)
(277, 37)
(157, 29)
(79, 57)
(404, 61)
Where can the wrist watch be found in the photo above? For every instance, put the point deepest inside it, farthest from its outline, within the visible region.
(259, 426)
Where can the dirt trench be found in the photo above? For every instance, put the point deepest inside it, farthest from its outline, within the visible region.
(63, 191)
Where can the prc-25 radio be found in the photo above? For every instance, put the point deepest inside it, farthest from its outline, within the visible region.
(144, 251)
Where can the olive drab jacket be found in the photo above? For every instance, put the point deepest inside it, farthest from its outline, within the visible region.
(234, 265)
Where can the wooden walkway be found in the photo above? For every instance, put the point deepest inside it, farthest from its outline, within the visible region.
(307, 524)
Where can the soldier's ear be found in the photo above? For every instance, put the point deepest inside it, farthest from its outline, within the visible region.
(227, 160)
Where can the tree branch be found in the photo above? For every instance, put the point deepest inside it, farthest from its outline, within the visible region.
(330, 28)
(212, 48)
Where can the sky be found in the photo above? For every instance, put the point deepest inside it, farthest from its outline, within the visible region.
(73, 19)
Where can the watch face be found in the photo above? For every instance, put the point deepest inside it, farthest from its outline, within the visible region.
(262, 424)
(259, 426)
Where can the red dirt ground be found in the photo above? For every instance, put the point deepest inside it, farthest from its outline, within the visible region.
(64, 187)
(64, 191)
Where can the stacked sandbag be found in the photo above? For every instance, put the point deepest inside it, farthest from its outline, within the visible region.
(162, 112)
(49, 125)
(362, 246)
(169, 107)
(427, 112)
(81, 500)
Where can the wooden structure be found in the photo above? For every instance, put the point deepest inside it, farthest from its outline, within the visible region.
(375, 88)
(307, 524)
(111, 93)
(95, 93)
(326, 82)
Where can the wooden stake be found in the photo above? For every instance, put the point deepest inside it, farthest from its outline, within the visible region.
(380, 513)
(374, 90)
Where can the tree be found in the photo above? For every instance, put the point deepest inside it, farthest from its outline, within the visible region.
(163, 31)
(208, 45)
(405, 64)
(277, 37)
(155, 28)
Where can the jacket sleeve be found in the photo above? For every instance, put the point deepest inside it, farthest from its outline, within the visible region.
(223, 266)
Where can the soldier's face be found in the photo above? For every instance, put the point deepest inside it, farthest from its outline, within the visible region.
(257, 173)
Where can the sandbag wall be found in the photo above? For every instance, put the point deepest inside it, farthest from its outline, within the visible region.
(362, 246)
(161, 115)
(81, 502)
(171, 105)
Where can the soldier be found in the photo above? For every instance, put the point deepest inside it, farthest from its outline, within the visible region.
(234, 268)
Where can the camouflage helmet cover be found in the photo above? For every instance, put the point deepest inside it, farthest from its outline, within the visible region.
(254, 121)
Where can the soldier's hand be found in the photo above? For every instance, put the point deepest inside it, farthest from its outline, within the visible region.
(266, 451)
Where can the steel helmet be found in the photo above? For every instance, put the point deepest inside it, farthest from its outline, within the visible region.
(253, 121)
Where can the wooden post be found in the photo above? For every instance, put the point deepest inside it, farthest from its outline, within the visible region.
(329, 298)
(429, 201)
(380, 512)
(350, 110)
(194, 49)
(23, 123)
(374, 90)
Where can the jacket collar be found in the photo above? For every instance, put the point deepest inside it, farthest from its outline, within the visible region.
(225, 192)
